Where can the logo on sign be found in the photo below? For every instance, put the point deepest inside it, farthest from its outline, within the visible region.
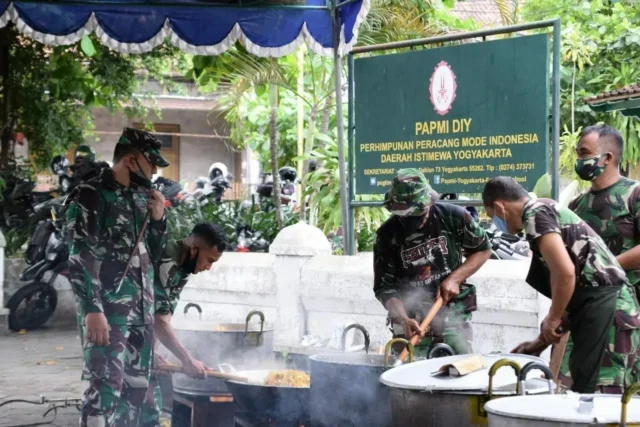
(436, 179)
(372, 181)
(442, 88)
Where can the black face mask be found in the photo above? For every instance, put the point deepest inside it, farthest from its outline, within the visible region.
(190, 263)
(139, 179)
(412, 223)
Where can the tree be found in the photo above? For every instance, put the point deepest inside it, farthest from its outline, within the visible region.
(246, 83)
(600, 52)
(51, 90)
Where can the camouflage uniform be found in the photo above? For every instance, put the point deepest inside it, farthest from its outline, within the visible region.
(412, 260)
(604, 317)
(103, 222)
(613, 213)
(169, 282)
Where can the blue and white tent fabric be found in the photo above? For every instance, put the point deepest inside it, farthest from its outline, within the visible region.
(202, 27)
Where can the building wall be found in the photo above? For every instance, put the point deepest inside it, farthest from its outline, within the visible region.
(303, 290)
(196, 154)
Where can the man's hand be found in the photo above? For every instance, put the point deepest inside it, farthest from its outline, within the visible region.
(411, 327)
(449, 289)
(155, 203)
(159, 360)
(532, 348)
(97, 329)
(195, 368)
(549, 327)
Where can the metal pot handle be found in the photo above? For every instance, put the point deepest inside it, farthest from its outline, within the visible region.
(626, 398)
(499, 364)
(522, 378)
(361, 328)
(387, 350)
(194, 305)
(249, 316)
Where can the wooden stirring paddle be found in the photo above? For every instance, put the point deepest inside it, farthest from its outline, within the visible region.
(210, 374)
(424, 325)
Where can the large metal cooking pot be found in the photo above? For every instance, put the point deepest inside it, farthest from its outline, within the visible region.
(288, 405)
(420, 398)
(564, 410)
(345, 388)
(215, 343)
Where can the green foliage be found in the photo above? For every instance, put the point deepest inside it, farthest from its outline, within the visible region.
(323, 190)
(15, 239)
(53, 89)
(398, 20)
(600, 52)
(181, 219)
(228, 215)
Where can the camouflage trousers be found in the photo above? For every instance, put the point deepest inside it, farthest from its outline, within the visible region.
(118, 376)
(454, 329)
(152, 406)
(621, 362)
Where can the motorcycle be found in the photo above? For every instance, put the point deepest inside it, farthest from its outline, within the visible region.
(250, 241)
(288, 176)
(507, 246)
(60, 167)
(172, 191)
(48, 252)
(33, 304)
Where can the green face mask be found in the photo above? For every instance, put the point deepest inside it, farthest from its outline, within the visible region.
(589, 169)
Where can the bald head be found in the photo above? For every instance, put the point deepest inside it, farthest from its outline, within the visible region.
(600, 139)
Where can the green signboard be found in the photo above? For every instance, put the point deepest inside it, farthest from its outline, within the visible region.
(460, 114)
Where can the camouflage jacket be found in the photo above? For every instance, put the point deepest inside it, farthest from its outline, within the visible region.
(594, 264)
(613, 213)
(170, 279)
(103, 222)
(410, 265)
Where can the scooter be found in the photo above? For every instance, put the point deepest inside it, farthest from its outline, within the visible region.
(507, 246)
(33, 304)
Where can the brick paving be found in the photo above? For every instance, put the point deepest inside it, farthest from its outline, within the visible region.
(45, 362)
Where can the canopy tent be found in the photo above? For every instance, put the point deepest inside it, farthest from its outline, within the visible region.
(202, 27)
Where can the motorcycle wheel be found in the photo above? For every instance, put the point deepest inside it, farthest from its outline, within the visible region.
(31, 306)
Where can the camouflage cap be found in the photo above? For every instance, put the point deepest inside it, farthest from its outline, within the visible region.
(148, 145)
(410, 193)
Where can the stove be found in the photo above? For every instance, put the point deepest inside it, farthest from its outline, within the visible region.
(246, 419)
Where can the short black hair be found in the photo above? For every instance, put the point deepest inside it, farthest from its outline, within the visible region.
(123, 150)
(609, 136)
(212, 234)
(502, 188)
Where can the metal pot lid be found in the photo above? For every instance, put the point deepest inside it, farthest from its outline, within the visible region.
(564, 408)
(200, 326)
(418, 375)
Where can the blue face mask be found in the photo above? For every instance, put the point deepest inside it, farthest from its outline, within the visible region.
(500, 224)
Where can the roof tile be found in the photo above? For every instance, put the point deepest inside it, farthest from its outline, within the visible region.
(632, 91)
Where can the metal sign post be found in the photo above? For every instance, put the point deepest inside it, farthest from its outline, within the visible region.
(461, 114)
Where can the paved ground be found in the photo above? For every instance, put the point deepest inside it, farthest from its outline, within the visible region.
(40, 362)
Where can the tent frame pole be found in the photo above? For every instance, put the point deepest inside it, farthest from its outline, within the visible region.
(337, 70)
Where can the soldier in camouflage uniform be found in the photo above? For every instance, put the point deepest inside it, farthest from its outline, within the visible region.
(590, 294)
(104, 218)
(611, 206)
(418, 254)
(193, 255)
